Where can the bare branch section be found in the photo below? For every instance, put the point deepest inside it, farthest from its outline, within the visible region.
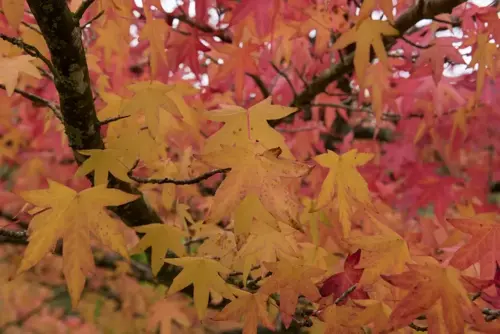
(14, 234)
(423, 9)
(82, 9)
(62, 34)
(166, 180)
(29, 49)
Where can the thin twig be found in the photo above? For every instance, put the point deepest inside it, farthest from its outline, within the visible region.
(45, 73)
(14, 234)
(38, 100)
(344, 295)
(262, 86)
(173, 181)
(81, 10)
(285, 76)
(417, 328)
(29, 49)
(423, 47)
(112, 119)
(95, 18)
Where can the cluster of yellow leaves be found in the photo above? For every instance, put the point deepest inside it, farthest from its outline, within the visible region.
(62, 213)
(263, 220)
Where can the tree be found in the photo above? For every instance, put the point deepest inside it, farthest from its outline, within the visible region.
(218, 165)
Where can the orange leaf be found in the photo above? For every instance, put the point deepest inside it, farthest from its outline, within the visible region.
(484, 244)
(253, 307)
(291, 280)
(429, 284)
(369, 33)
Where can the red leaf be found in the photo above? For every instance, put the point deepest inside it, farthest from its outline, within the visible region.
(337, 284)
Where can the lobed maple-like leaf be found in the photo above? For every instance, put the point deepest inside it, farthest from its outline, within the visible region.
(13, 11)
(344, 181)
(290, 280)
(72, 216)
(250, 306)
(160, 237)
(431, 287)
(255, 171)
(483, 246)
(165, 311)
(381, 253)
(203, 273)
(368, 33)
(102, 162)
(155, 97)
(241, 126)
(337, 284)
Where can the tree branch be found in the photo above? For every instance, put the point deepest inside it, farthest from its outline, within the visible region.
(21, 235)
(423, 9)
(89, 22)
(81, 10)
(262, 86)
(38, 100)
(166, 180)
(29, 49)
(76, 100)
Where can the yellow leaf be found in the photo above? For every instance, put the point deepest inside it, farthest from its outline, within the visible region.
(264, 244)
(160, 237)
(344, 180)
(386, 252)
(151, 97)
(264, 174)
(203, 273)
(290, 280)
(484, 57)
(125, 136)
(252, 307)
(368, 33)
(249, 209)
(14, 12)
(102, 162)
(243, 125)
(11, 68)
(73, 217)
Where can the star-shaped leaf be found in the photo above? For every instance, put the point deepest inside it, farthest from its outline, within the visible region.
(160, 237)
(367, 34)
(344, 181)
(203, 273)
(243, 125)
(73, 217)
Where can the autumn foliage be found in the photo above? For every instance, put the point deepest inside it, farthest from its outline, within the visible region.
(319, 166)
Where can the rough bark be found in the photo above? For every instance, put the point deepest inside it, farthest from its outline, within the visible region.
(61, 31)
